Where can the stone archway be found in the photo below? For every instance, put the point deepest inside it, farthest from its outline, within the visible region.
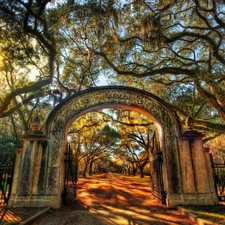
(42, 159)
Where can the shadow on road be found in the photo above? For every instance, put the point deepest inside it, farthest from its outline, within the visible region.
(113, 199)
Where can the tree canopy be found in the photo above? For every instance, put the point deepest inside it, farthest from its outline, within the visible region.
(174, 49)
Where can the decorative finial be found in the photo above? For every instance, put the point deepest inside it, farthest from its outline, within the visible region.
(189, 123)
(35, 125)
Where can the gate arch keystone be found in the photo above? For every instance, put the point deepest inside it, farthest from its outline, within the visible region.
(48, 186)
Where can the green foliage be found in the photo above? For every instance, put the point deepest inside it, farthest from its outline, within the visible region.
(8, 142)
(173, 49)
(7, 145)
(109, 132)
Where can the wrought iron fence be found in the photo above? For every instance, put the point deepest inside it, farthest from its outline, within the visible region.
(157, 177)
(219, 178)
(6, 176)
(69, 192)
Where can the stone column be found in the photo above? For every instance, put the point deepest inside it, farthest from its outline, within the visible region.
(193, 163)
(209, 170)
(29, 179)
(16, 171)
(196, 172)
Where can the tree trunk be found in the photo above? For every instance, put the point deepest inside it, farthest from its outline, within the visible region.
(76, 170)
(141, 172)
(85, 170)
(134, 171)
(90, 168)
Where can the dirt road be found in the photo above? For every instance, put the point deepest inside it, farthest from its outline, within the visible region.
(111, 199)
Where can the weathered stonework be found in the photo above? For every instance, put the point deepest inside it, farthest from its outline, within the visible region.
(46, 177)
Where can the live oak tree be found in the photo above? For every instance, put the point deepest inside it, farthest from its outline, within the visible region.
(111, 134)
(160, 42)
(26, 24)
(136, 142)
(177, 46)
(93, 141)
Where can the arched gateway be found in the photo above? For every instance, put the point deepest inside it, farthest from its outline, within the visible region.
(39, 170)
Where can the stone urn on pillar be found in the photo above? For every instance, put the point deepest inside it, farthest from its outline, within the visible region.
(189, 123)
(35, 125)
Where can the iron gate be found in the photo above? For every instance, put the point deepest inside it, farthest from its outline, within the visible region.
(157, 177)
(219, 179)
(69, 192)
(6, 176)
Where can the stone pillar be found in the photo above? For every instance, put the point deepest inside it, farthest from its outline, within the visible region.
(210, 171)
(29, 181)
(27, 172)
(197, 179)
(16, 170)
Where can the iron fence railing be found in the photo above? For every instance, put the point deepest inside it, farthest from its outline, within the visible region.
(69, 192)
(6, 176)
(157, 177)
(219, 178)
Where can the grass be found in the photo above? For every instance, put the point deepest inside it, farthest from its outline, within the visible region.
(137, 178)
(214, 213)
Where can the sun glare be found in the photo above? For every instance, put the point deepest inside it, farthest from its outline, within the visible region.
(1, 61)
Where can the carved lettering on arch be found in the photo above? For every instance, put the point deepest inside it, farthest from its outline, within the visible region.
(108, 96)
